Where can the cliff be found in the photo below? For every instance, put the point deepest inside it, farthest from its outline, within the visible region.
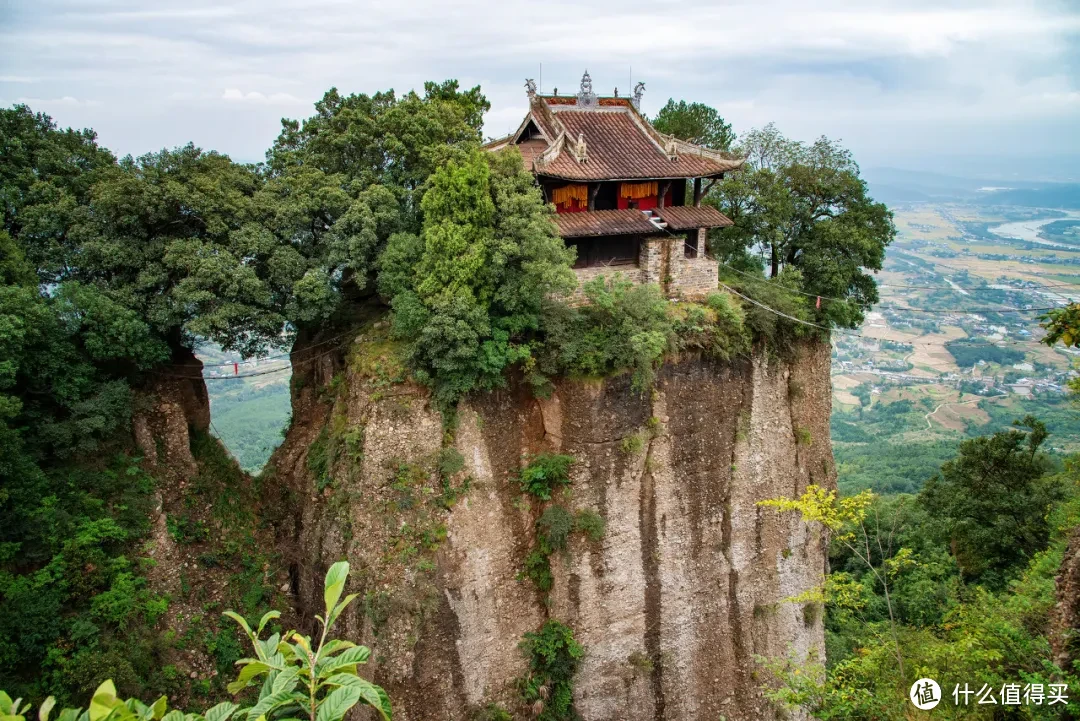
(672, 604)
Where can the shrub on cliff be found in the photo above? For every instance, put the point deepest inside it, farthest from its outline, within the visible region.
(623, 327)
(553, 656)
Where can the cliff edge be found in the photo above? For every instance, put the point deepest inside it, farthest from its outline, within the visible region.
(672, 601)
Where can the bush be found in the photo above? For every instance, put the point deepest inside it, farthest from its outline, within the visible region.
(553, 656)
(317, 681)
(623, 327)
(554, 528)
(590, 523)
(544, 473)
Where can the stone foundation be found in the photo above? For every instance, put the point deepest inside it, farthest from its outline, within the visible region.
(661, 260)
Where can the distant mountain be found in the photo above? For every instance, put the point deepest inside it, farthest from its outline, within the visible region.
(895, 185)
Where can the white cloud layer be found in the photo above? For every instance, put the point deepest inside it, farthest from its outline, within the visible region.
(901, 81)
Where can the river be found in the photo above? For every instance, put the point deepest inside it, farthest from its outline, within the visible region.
(1028, 230)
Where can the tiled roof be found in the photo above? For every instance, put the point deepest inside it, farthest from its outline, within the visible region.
(619, 148)
(604, 222)
(620, 144)
(685, 217)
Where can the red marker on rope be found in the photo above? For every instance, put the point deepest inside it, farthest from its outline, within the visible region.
(236, 366)
(818, 306)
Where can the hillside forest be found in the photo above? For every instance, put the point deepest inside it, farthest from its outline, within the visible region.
(383, 210)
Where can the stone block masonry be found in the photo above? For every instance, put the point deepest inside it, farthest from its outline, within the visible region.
(661, 260)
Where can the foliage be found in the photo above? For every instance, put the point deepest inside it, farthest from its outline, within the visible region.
(969, 353)
(545, 472)
(991, 502)
(799, 206)
(317, 681)
(553, 656)
(947, 628)
(623, 326)
(590, 523)
(468, 295)
(1063, 324)
(695, 123)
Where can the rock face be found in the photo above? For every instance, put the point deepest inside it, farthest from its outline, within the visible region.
(686, 587)
(1065, 618)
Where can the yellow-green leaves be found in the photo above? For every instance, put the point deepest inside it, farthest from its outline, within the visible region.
(335, 584)
(821, 506)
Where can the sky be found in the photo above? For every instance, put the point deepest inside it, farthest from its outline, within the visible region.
(987, 89)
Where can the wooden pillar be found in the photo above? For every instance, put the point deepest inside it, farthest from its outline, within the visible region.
(664, 187)
(697, 192)
(594, 188)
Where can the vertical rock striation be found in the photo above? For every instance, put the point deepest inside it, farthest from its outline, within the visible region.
(685, 589)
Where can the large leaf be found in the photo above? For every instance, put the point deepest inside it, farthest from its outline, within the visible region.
(337, 703)
(103, 702)
(335, 584)
(46, 708)
(375, 697)
(333, 646)
(247, 673)
(160, 707)
(173, 715)
(285, 681)
(268, 704)
(222, 711)
(267, 617)
(348, 657)
(5, 703)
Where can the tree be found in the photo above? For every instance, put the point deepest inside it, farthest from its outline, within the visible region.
(345, 180)
(169, 235)
(695, 123)
(44, 182)
(805, 207)
(468, 293)
(990, 502)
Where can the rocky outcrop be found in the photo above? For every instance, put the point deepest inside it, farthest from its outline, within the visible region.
(686, 587)
(1065, 617)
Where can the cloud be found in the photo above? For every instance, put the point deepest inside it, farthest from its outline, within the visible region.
(234, 95)
(892, 77)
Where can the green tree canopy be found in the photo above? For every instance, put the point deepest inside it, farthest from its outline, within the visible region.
(45, 177)
(469, 291)
(695, 123)
(989, 504)
(169, 235)
(345, 180)
(805, 207)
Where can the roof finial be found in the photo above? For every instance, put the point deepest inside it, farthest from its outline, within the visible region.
(579, 150)
(639, 90)
(530, 87)
(586, 98)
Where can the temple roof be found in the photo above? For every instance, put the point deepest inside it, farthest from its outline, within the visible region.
(586, 137)
(605, 222)
(687, 217)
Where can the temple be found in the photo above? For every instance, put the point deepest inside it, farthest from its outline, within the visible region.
(626, 196)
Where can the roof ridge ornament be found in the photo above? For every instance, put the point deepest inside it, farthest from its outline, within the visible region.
(586, 97)
(530, 87)
(671, 147)
(639, 90)
(579, 150)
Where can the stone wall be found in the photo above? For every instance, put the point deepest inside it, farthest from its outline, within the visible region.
(685, 589)
(661, 260)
